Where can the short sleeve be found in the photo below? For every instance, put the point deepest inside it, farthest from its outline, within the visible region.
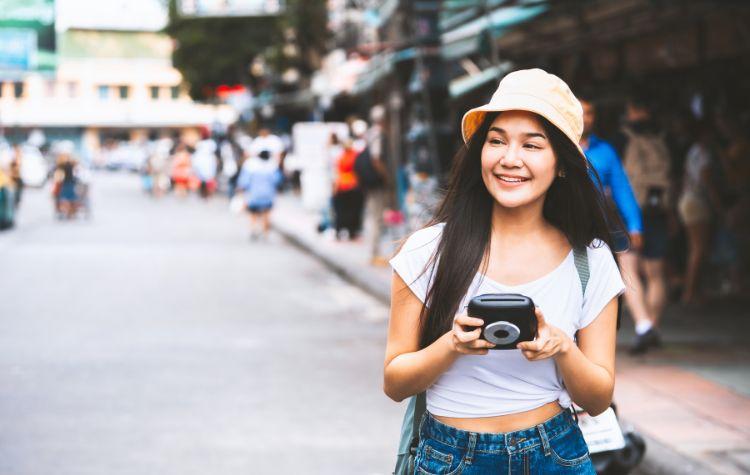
(604, 284)
(414, 255)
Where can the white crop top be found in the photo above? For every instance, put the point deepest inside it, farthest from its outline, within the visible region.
(504, 382)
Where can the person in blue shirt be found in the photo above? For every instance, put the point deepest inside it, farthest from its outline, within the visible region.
(259, 178)
(606, 163)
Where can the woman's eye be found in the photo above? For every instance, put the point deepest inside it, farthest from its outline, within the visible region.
(496, 141)
(531, 146)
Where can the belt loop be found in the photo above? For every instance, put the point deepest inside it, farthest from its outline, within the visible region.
(545, 440)
(470, 447)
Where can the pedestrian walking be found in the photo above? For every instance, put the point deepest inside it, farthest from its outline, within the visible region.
(348, 200)
(15, 174)
(259, 178)
(7, 204)
(159, 164)
(205, 166)
(519, 212)
(647, 163)
(736, 165)
(181, 169)
(616, 186)
(698, 205)
(373, 178)
(67, 198)
(334, 149)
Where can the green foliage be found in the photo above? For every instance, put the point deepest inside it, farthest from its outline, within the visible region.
(213, 51)
(309, 18)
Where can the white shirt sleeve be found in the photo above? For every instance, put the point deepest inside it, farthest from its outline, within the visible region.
(414, 255)
(605, 283)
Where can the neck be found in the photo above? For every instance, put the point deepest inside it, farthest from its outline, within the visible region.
(518, 223)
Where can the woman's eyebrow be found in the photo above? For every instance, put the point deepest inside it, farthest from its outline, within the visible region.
(526, 134)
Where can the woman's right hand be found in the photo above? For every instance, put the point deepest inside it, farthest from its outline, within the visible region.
(465, 336)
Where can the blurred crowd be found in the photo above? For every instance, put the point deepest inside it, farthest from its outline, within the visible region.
(678, 180)
(680, 185)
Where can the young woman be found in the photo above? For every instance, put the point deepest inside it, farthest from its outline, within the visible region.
(519, 200)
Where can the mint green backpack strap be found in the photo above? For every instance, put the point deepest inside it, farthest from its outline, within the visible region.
(407, 446)
(581, 258)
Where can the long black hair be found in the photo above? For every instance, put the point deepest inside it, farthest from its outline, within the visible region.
(574, 204)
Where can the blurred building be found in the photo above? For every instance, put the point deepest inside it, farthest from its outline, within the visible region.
(109, 84)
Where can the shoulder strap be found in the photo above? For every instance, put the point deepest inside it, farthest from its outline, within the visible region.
(581, 258)
(420, 406)
(409, 441)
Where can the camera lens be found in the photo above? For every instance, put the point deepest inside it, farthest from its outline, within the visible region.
(502, 333)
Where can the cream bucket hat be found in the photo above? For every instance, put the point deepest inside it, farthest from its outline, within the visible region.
(535, 91)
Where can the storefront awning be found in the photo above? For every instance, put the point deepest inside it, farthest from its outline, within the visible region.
(466, 39)
(379, 67)
(460, 86)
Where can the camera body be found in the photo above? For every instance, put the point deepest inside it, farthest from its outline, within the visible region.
(508, 319)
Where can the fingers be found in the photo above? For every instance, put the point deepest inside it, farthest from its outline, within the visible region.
(467, 321)
(466, 337)
(469, 342)
(538, 349)
(476, 347)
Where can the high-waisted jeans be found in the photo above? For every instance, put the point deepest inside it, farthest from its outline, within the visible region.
(553, 447)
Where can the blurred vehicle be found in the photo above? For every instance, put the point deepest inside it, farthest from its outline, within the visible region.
(34, 167)
(126, 156)
(614, 450)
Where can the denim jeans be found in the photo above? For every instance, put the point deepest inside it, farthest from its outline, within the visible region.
(553, 447)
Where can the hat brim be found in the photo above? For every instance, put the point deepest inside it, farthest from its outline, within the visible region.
(514, 101)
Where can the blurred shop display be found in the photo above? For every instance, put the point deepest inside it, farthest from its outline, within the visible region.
(313, 157)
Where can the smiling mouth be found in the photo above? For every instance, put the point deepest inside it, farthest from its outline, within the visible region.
(508, 179)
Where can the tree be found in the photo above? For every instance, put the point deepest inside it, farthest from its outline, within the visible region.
(212, 51)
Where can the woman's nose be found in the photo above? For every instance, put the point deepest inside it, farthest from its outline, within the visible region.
(511, 158)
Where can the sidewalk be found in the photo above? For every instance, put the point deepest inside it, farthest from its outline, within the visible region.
(691, 399)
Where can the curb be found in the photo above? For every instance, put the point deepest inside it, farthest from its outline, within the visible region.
(375, 287)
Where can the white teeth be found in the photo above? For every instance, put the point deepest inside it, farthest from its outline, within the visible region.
(512, 180)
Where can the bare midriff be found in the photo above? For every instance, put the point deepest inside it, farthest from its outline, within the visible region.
(506, 423)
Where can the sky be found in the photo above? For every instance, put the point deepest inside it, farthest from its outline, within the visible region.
(147, 15)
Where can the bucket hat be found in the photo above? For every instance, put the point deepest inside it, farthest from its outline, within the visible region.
(537, 91)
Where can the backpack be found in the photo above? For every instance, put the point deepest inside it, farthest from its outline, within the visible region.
(407, 447)
(367, 175)
(647, 165)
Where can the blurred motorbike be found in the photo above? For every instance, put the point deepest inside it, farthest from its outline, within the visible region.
(614, 450)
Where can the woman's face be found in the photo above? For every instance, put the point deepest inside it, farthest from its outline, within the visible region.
(518, 163)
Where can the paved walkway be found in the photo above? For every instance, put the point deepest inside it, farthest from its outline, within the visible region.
(691, 400)
(155, 338)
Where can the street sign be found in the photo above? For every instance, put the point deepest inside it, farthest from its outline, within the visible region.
(18, 49)
(230, 8)
(27, 36)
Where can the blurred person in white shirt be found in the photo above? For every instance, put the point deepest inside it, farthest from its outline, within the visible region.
(205, 165)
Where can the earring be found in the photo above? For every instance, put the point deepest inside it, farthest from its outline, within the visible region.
(561, 174)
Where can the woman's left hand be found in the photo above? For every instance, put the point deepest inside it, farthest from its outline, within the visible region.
(550, 341)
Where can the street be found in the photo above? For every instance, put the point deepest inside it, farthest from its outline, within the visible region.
(156, 338)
